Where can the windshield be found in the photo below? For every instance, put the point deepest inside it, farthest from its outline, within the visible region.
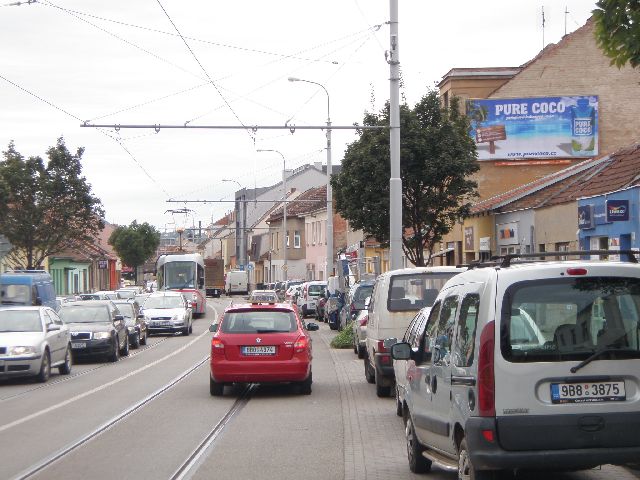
(15, 294)
(179, 275)
(362, 293)
(259, 321)
(169, 301)
(126, 309)
(85, 314)
(415, 291)
(571, 319)
(20, 321)
(315, 290)
(127, 293)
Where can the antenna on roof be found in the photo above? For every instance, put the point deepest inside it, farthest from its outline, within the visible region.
(543, 27)
(566, 12)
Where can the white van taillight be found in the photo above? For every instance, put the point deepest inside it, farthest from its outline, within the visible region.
(576, 271)
(363, 321)
(486, 379)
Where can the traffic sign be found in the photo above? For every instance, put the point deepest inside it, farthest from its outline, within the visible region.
(250, 267)
(285, 267)
(5, 246)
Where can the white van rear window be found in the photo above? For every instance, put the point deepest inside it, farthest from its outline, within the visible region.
(571, 319)
(414, 291)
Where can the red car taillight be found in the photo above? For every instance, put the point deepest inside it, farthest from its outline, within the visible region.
(364, 320)
(301, 345)
(486, 379)
(217, 347)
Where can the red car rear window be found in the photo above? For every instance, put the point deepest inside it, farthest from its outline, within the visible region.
(259, 321)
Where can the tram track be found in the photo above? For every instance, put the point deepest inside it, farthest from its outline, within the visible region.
(73, 376)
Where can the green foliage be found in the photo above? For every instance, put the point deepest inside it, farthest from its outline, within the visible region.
(437, 158)
(136, 243)
(344, 339)
(617, 32)
(45, 209)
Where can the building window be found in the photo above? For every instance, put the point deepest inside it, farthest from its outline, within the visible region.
(287, 239)
(296, 239)
(313, 233)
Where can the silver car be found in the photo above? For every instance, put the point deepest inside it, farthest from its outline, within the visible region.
(32, 340)
(168, 312)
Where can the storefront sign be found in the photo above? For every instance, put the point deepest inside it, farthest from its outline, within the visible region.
(585, 217)
(468, 239)
(485, 244)
(536, 127)
(508, 234)
(103, 264)
(617, 210)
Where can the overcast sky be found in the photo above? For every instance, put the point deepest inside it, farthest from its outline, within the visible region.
(123, 62)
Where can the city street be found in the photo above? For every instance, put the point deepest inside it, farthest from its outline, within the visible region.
(151, 416)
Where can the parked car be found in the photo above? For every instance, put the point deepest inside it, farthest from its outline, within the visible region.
(134, 321)
(28, 288)
(260, 343)
(354, 301)
(33, 339)
(168, 312)
(359, 326)
(97, 329)
(311, 291)
(397, 296)
(528, 366)
(293, 292)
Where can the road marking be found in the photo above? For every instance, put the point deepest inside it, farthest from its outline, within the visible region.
(100, 388)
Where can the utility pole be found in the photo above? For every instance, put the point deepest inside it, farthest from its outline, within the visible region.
(395, 182)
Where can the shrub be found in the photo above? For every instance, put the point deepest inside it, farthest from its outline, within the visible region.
(344, 339)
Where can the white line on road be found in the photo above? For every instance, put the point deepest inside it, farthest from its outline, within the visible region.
(100, 388)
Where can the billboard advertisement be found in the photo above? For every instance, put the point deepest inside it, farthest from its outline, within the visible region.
(534, 127)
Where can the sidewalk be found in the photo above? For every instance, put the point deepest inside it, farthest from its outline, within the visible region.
(374, 441)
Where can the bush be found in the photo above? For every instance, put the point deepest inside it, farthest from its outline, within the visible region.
(344, 339)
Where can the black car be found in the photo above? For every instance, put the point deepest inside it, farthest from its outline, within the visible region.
(134, 320)
(97, 329)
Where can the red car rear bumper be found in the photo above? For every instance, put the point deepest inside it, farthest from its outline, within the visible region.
(230, 371)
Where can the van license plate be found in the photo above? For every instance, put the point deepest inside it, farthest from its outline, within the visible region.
(259, 350)
(78, 345)
(587, 392)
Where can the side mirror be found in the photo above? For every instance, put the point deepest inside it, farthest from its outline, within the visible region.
(401, 351)
(118, 318)
(389, 342)
(312, 326)
(53, 327)
(213, 328)
(354, 315)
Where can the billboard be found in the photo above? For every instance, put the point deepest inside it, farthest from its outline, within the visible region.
(535, 127)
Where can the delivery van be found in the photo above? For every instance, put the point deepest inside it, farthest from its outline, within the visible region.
(236, 281)
(27, 287)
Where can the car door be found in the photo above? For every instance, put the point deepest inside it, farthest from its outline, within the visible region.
(440, 381)
(119, 325)
(419, 377)
(55, 338)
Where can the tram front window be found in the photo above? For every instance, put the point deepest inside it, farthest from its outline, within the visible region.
(180, 275)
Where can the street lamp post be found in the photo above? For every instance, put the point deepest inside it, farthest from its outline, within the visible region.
(285, 267)
(242, 221)
(329, 171)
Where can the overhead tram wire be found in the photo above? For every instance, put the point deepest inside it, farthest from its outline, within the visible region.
(102, 131)
(207, 74)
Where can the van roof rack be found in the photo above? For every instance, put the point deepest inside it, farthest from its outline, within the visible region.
(504, 261)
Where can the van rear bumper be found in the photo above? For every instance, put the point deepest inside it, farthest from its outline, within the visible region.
(487, 455)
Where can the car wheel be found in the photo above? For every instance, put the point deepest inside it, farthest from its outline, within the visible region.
(45, 368)
(115, 354)
(304, 311)
(361, 352)
(465, 468)
(381, 391)
(190, 327)
(136, 341)
(215, 389)
(65, 368)
(368, 373)
(185, 331)
(125, 349)
(143, 340)
(417, 463)
(398, 403)
(305, 385)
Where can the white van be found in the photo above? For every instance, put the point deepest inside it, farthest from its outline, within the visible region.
(397, 297)
(527, 366)
(309, 295)
(236, 281)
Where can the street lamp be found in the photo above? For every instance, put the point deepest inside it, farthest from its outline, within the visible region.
(329, 192)
(242, 253)
(284, 210)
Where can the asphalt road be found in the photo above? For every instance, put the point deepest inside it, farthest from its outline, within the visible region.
(151, 416)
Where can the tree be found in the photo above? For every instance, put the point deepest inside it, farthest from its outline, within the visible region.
(135, 244)
(46, 209)
(617, 32)
(437, 157)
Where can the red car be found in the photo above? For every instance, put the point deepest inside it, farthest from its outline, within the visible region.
(261, 343)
